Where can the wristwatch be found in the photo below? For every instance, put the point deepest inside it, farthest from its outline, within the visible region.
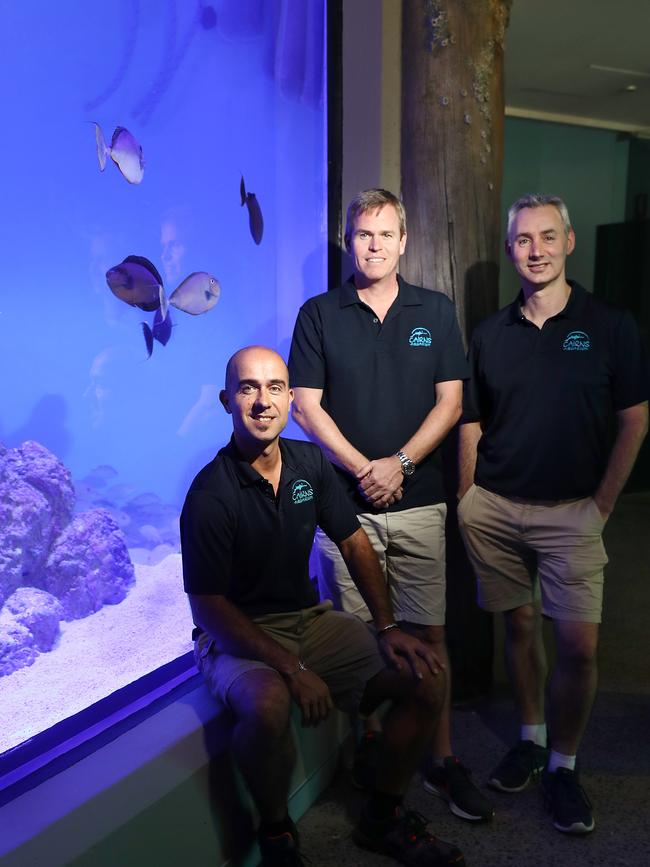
(408, 467)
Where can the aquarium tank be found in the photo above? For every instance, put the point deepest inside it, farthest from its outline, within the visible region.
(164, 203)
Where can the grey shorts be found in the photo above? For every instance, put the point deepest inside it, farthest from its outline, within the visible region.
(336, 646)
(410, 546)
(521, 551)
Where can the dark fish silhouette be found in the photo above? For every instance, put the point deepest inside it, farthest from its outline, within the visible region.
(125, 152)
(162, 327)
(197, 294)
(136, 282)
(255, 219)
(148, 338)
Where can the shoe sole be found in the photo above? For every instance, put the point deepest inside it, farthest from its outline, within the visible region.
(578, 828)
(533, 777)
(455, 809)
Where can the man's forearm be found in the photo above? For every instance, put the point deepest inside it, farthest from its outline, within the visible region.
(321, 428)
(435, 427)
(364, 567)
(632, 429)
(235, 633)
(468, 438)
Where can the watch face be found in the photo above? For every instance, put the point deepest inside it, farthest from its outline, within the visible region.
(408, 468)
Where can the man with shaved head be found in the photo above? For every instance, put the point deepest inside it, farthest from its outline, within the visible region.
(263, 641)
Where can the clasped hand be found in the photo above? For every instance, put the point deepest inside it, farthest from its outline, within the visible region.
(398, 647)
(380, 481)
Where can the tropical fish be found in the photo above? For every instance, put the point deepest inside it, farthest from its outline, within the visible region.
(255, 219)
(136, 282)
(125, 152)
(197, 294)
(162, 327)
(147, 333)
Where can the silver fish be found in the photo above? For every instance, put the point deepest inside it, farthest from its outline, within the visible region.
(125, 152)
(197, 294)
(137, 282)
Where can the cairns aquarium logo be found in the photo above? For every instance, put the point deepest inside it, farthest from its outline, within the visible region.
(301, 492)
(576, 340)
(420, 336)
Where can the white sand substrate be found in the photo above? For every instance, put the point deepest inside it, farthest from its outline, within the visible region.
(99, 654)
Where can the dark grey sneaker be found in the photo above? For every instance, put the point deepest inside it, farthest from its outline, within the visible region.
(453, 782)
(520, 765)
(567, 801)
(405, 838)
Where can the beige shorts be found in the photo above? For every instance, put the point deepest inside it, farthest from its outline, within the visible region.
(411, 550)
(336, 646)
(523, 550)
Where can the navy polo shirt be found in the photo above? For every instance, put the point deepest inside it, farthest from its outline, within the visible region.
(378, 379)
(241, 541)
(547, 398)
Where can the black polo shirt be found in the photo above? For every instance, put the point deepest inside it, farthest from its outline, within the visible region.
(240, 541)
(547, 397)
(378, 379)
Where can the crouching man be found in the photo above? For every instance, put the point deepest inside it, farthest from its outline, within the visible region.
(263, 640)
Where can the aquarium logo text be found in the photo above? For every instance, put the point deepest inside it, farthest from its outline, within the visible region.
(420, 336)
(301, 492)
(576, 341)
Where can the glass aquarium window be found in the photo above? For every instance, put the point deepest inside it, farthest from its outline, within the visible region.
(164, 173)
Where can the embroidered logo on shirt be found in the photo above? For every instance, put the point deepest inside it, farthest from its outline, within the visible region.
(420, 337)
(576, 340)
(301, 492)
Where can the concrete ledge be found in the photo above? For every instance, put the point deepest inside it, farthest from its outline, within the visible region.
(164, 792)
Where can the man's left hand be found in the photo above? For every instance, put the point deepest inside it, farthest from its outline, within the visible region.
(380, 479)
(398, 646)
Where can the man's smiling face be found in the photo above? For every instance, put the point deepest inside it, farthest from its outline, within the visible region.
(375, 245)
(538, 245)
(257, 395)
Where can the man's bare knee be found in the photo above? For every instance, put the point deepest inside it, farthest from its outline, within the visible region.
(260, 698)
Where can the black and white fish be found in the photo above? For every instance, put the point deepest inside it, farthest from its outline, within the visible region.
(136, 281)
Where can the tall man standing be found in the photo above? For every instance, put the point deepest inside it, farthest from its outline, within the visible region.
(556, 411)
(377, 368)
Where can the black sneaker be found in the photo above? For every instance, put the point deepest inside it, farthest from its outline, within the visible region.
(281, 851)
(453, 782)
(405, 838)
(523, 763)
(364, 769)
(567, 801)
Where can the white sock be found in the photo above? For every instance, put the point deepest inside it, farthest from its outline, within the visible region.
(559, 760)
(534, 733)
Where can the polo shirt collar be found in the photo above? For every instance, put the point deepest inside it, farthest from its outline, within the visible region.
(245, 472)
(406, 294)
(572, 310)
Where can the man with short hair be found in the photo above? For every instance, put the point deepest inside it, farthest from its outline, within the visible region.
(555, 413)
(263, 640)
(377, 368)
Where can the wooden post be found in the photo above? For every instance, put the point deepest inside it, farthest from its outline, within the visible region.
(452, 153)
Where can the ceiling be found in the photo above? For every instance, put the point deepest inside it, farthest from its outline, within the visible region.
(580, 61)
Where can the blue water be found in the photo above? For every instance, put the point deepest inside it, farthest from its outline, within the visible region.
(211, 91)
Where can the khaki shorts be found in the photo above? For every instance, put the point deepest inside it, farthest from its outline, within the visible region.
(410, 546)
(523, 550)
(338, 647)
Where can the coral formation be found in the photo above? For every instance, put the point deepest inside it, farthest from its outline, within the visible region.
(53, 567)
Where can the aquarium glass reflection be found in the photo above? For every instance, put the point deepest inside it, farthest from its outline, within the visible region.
(163, 205)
